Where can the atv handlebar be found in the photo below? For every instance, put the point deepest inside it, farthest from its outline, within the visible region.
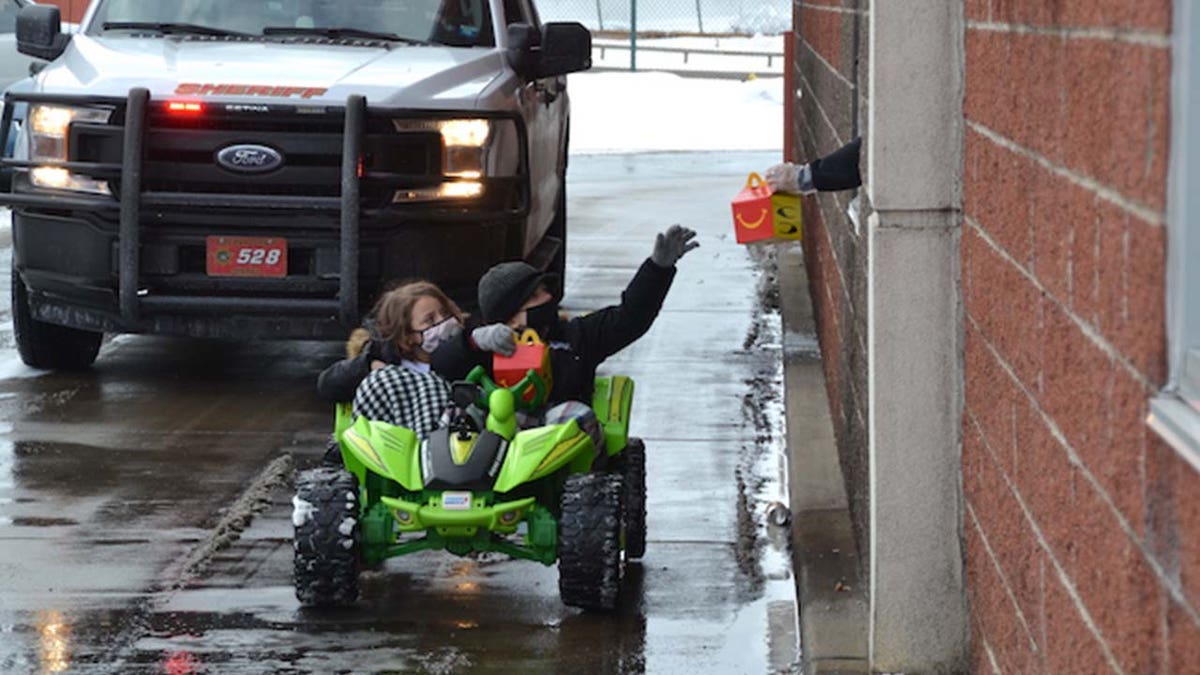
(529, 394)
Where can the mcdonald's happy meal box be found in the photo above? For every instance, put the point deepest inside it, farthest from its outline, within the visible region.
(759, 214)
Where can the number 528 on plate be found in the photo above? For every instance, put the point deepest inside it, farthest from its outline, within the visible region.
(246, 256)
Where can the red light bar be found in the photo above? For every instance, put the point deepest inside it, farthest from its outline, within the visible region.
(184, 107)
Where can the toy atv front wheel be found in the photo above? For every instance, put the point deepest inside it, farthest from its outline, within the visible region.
(328, 543)
(589, 541)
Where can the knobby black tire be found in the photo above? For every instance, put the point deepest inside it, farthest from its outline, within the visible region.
(633, 472)
(326, 557)
(589, 541)
(45, 345)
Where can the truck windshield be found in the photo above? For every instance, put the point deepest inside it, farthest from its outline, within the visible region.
(458, 23)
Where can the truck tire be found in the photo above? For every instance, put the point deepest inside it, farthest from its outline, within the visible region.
(45, 345)
(633, 474)
(327, 543)
(589, 541)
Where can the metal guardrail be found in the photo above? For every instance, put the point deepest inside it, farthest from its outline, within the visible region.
(686, 51)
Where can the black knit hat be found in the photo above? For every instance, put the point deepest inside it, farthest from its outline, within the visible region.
(505, 287)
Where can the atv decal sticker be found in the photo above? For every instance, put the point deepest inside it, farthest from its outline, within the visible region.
(207, 89)
(558, 451)
(364, 446)
(456, 501)
(460, 449)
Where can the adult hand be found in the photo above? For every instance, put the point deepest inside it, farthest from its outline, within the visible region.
(783, 177)
(495, 338)
(671, 245)
(790, 178)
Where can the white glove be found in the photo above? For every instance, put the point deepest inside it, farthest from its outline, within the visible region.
(495, 338)
(792, 178)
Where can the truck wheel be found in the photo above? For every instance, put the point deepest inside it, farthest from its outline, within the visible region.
(46, 345)
(633, 473)
(589, 541)
(327, 544)
(558, 230)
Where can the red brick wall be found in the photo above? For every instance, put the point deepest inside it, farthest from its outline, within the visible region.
(830, 70)
(1082, 529)
(72, 10)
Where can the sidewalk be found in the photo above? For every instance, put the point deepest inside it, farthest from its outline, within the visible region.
(832, 596)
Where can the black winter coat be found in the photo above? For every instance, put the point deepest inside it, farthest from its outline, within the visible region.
(577, 346)
(839, 170)
(339, 382)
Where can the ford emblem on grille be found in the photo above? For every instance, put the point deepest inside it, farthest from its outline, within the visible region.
(250, 158)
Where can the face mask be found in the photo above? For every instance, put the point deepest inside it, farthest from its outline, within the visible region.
(434, 336)
(542, 317)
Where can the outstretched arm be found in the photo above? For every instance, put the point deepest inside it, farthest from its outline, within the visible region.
(608, 331)
(839, 170)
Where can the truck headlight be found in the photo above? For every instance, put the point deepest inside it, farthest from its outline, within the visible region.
(49, 130)
(472, 149)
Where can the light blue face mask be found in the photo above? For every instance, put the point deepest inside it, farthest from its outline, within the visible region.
(434, 336)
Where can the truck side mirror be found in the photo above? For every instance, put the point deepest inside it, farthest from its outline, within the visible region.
(39, 32)
(522, 54)
(566, 48)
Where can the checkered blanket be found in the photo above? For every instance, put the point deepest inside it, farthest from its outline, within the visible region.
(404, 397)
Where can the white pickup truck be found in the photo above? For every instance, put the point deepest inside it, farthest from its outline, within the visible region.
(227, 168)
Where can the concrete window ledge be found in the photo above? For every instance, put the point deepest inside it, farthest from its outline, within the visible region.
(1178, 423)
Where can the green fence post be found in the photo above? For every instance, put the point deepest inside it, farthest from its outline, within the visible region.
(633, 34)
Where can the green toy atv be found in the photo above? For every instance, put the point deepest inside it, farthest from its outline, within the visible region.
(478, 484)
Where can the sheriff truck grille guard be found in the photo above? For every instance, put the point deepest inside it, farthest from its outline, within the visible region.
(132, 192)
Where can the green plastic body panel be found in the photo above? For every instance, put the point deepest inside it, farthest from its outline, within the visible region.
(536, 453)
(503, 517)
(400, 517)
(385, 449)
(613, 402)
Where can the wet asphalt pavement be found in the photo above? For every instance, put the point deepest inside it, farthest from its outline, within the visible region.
(145, 516)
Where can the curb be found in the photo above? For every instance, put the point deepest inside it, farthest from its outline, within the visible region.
(831, 594)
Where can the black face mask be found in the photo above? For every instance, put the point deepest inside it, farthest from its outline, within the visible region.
(542, 318)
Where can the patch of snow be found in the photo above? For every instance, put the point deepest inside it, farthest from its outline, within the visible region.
(302, 511)
(655, 112)
(347, 544)
(12, 368)
(347, 526)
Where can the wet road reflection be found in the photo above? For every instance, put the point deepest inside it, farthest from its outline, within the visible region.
(126, 492)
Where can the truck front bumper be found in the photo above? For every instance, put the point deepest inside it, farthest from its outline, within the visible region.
(135, 262)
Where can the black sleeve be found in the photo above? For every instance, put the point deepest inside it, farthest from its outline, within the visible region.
(338, 382)
(608, 331)
(839, 169)
(455, 358)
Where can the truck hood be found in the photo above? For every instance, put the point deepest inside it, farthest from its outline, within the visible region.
(427, 77)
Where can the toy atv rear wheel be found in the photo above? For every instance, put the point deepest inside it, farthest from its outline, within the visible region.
(589, 541)
(328, 542)
(633, 472)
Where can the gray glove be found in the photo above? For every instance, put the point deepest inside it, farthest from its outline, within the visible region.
(791, 178)
(671, 245)
(495, 338)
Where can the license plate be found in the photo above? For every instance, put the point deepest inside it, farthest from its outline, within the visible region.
(246, 257)
(456, 501)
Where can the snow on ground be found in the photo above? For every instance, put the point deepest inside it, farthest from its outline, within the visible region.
(614, 53)
(647, 111)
